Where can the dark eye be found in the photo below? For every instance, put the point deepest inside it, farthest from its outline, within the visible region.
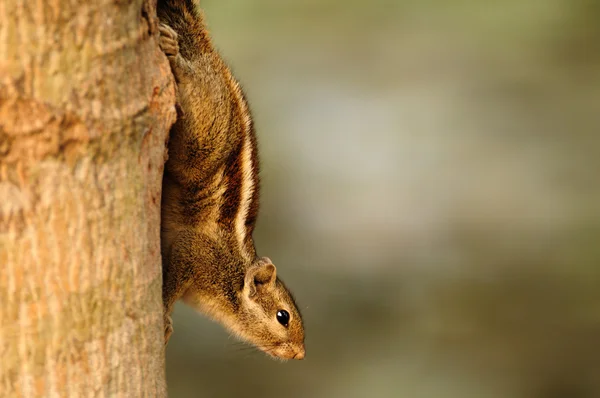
(283, 317)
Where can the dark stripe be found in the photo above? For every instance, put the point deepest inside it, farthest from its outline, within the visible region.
(232, 180)
(254, 204)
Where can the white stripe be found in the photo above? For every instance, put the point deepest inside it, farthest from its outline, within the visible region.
(247, 184)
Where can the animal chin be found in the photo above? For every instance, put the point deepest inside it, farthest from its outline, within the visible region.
(272, 352)
(280, 358)
(282, 353)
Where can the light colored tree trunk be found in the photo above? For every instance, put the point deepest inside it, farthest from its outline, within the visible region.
(86, 101)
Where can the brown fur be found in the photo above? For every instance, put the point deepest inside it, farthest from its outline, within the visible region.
(210, 197)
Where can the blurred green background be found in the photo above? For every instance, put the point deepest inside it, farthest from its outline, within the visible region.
(431, 194)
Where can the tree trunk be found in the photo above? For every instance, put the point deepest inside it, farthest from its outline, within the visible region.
(86, 101)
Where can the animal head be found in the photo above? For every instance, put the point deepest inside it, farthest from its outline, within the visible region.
(268, 316)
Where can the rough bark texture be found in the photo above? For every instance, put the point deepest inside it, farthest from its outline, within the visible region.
(86, 101)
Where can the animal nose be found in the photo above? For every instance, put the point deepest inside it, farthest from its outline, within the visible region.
(300, 353)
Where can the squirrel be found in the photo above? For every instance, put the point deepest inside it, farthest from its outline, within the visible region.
(211, 197)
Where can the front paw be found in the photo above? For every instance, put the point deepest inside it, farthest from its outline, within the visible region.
(168, 40)
(168, 328)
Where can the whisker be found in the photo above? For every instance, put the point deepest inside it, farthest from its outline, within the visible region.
(244, 347)
(242, 344)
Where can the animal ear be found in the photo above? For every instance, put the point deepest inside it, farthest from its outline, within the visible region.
(260, 276)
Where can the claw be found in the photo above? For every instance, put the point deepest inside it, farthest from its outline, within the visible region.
(168, 328)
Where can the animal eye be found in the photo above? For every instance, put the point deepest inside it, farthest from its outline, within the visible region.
(283, 317)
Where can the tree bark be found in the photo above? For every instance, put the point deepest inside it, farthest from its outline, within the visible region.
(86, 102)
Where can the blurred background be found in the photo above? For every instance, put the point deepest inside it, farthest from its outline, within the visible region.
(431, 194)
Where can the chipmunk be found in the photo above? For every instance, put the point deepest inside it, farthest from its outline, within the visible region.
(210, 198)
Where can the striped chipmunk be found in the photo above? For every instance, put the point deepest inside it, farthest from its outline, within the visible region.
(210, 198)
